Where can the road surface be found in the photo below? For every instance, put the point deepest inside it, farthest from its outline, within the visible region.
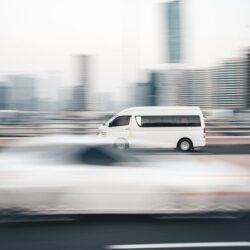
(127, 232)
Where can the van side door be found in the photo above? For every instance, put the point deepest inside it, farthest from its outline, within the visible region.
(150, 133)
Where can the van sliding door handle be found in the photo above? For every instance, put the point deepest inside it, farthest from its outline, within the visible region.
(127, 128)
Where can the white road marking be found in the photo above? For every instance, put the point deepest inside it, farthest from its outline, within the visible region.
(181, 245)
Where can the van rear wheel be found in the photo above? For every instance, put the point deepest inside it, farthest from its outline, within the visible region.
(185, 145)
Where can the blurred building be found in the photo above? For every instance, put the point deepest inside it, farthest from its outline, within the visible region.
(248, 80)
(225, 86)
(141, 94)
(22, 92)
(81, 90)
(146, 93)
(106, 101)
(49, 91)
(230, 82)
(173, 32)
(169, 85)
(186, 87)
(169, 79)
(153, 89)
(198, 88)
(65, 102)
(4, 95)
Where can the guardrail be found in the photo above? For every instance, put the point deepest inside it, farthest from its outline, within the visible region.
(16, 130)
(89, 125)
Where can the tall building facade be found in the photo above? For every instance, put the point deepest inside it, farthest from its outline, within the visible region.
(198, 88)
(146, 93)
(22, 94)
(230, 80)
(248, 79)
(170, 82)
(81, 90)
(141, 94)
(173, 32)
(4, 95)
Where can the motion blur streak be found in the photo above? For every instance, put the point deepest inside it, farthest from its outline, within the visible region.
(181, 245)
(87, 175)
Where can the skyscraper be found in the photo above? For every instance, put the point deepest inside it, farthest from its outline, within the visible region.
(171, 78)
(173, 31)
(81, 90)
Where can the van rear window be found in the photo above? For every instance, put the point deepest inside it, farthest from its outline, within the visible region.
(169, 121)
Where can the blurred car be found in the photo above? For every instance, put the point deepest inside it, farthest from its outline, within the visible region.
(81, 175)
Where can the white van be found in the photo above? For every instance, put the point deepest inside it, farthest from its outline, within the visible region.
(157, 127)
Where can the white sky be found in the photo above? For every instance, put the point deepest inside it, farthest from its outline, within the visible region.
(123, 35)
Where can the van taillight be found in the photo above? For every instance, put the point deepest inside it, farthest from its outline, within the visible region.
(204, 130)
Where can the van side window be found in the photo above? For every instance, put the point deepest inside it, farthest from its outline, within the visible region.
(120, 121)
(169, 121)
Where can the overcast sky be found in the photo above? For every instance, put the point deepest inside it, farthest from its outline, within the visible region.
(123, 35)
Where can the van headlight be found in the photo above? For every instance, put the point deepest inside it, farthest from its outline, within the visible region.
(102, 133)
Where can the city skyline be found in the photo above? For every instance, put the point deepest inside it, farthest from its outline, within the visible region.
(33, 44)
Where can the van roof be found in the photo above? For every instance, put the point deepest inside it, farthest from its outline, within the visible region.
(162, 108)
(147, 109)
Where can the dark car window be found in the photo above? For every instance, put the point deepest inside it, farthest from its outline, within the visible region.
(120, 121)
(95, 156)
(104, 155)
(169, 121)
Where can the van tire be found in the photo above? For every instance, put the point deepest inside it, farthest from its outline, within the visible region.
(121, 144)
(185, 145)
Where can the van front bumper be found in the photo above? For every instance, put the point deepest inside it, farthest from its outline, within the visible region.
(101, 133)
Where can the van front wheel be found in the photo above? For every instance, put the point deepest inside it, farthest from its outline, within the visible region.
(121, 144)
(185, 145)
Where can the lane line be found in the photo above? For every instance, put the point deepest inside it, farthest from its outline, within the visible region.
(181, 245)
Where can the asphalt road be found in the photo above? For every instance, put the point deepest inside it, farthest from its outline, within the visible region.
(233, 154)
(208, 150)
(227, 149)
(106, 232)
